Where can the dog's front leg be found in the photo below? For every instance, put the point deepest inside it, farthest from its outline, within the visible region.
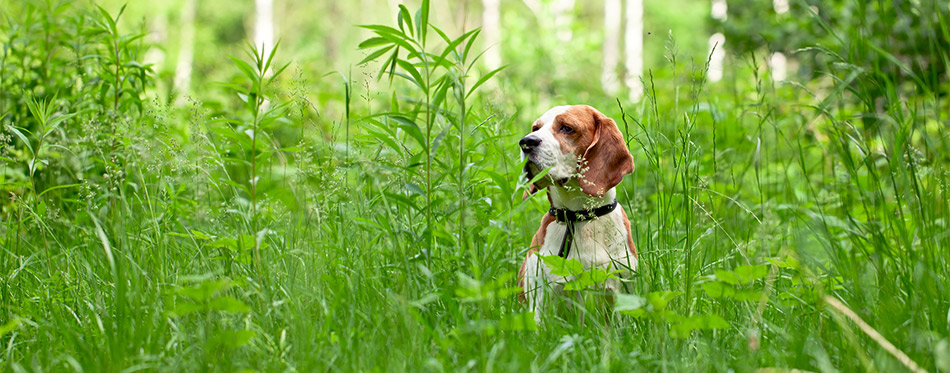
(534, 292)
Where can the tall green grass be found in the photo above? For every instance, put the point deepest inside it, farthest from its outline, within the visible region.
(255, 234)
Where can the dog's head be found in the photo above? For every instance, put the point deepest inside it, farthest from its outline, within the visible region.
(580, 142)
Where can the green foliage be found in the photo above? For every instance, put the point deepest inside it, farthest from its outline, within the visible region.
(262, 220)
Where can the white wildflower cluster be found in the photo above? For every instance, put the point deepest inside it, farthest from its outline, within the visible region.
(114, 174)
(6, 139)
(303, 159)
(89, 193)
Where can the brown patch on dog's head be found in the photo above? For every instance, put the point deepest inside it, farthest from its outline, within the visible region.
(594, 138)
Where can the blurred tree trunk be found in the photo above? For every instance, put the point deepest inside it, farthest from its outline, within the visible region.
(717, 54)
(612, 20)
(778, 62)
(264, 24)
(491, 33)
(633, 38)
(157, 36)
(182, 81)
(563, 11)
(330, 40)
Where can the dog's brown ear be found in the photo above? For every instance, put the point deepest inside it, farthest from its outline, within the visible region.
(607, 159)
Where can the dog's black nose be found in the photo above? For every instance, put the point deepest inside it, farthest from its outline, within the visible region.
(528, 143)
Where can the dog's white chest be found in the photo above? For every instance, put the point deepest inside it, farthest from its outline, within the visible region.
(599, 243)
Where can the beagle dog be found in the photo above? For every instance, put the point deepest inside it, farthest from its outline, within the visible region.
(586, 157)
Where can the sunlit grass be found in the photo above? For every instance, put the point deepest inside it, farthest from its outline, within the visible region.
(779, 224)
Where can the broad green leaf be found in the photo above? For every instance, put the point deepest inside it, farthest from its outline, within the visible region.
(228, 304)
(659, 299)
(716, 289)
(206, 289)
(561, 267)
(685, 327)
(728, 277)
(187, 308)
(629, 302)
(749, 273)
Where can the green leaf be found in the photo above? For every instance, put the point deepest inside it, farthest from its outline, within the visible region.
(749, 273)
(404, 18)
(415, 189)
(376, 54)
(206, 289)
(728, 277)
(50, 189)
(589, 278)
(111, 22)
(452, 45)
(410, 127)
(685, 327)
(561, 267)
(789, 262)
(246, 68)
(747, 295)
(409, 68)
(423, 24)
(374, 42)
(227, 304)
(187, 308)
(483, 79)
(198, 235)
(659, 299)
(233, 338)
(716, 289)
(471, 41)
(225, 243)
(12, 325)
(402, 200)
(16, 132)
(629, 302)
(518, 322)
(393, 35)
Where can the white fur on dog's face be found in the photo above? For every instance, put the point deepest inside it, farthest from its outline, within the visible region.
(550, 154)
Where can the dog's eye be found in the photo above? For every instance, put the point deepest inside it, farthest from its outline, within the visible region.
(567, 129)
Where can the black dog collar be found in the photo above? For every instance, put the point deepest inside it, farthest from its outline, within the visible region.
(570, 217)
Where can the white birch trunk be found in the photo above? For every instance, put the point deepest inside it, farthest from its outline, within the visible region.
(264, 25)
(157, 35)
(717, 57)
(182, 81)
(716, 53)
(633, 37)
(563, 11)
(777, 62)
(612, 20)
(491, 33)
(778, 66)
